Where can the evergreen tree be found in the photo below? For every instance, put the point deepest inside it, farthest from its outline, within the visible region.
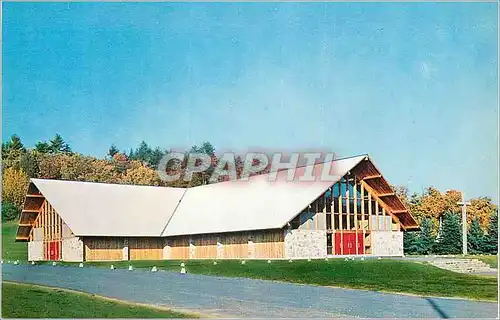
(131, 155)
(112, 151)
(156, 156)
(475, 238)
(58, 145)
(450, 241)
(208, 148)
(12, 151)
(426, 239)
(42, 147)
(4, 149)
(411, 242)
(14, 144)
(201, 178)
(9, 211)
(491, 238)
(142, 153)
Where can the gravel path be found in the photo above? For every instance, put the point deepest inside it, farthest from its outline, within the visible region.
(238, 297)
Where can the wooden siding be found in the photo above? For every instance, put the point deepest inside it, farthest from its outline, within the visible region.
(235, 246)
(145, 248)
(101, 249)
(269, 244)
(179, 248)
(205, 247)
(266, 244)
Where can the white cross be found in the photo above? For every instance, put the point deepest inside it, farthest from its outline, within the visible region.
(464, 205)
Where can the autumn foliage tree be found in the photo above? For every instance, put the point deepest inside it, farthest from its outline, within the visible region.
(14, 186)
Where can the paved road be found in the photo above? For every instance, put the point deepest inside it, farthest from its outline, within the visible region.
(237, 297)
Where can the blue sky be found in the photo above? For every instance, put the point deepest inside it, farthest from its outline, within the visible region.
(415, 85)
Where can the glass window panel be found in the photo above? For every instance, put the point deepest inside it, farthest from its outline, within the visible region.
(336, 222)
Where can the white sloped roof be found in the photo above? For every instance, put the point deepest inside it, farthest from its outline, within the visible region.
(251, 205)
(100, 209)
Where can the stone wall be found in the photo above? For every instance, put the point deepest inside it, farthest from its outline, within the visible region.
(305, 243)
(35, 251)
(387, 243)
(72, 249)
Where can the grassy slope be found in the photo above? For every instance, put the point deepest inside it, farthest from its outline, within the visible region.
(28, 301)
(380, 275)
(384, 275)
(12, 250)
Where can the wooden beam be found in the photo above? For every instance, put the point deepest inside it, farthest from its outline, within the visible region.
(355, 191)
(370, 220)
(30, 211)
(376, 176)
(400, 211)
(383, 204)
(35, 196)
(356, 226)
(332, 215)
(362, 208)
(348, 206)
(340, 207)
(386, 194)
(25, 225)
(340, 219)
(412, 227)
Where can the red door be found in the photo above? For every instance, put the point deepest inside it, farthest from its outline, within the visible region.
(361, 245)
(345, 243)
(337, 242)
(352, 243)
(54, 253)
(349, 243)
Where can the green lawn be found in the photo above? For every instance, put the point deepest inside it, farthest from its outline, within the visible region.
(29, 301)
(12, 250)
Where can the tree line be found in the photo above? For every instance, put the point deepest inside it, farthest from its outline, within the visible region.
(437, 213)
(440, 220)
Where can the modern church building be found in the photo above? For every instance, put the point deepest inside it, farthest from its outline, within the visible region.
(354, 213)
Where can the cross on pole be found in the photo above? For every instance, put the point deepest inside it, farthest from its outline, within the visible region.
(464, 223)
